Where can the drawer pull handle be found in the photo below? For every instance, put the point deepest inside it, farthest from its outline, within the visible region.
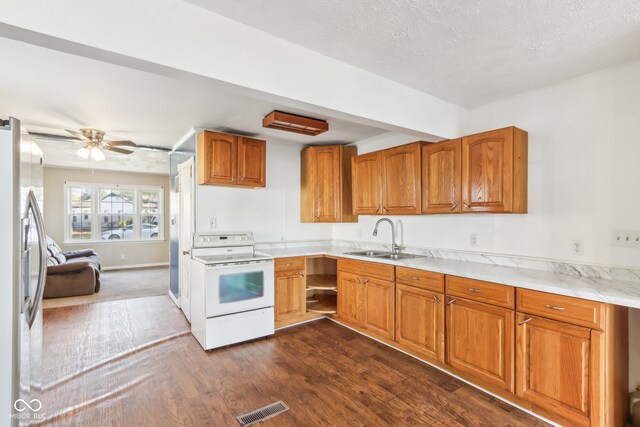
(435, 298)
(474, 290)
(363, 268)
(466, 206)
(416, 277)
(366, 281)
(358, 280)
(301, 274)
(451, 301)
(455, 205)
(527, 320)
(553, 307)
(289, 263)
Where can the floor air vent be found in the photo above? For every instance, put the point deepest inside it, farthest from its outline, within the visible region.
(263, 413)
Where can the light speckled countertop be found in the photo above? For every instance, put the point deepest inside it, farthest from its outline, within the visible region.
(597, 289)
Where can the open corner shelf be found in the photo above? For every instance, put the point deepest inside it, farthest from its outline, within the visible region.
(325, 282)
(322, 303)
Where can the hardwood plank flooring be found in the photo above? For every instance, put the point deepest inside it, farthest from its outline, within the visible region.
(134, 362)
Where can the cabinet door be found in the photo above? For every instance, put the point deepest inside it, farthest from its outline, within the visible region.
(487, 171)
(326, 194)
(401, 183)
(366, 185)
(379, 306)
(290, 295)
(480, 340)
(441, 177)
(351, 298)
(552, 366)
(252, 162)
(420, 321)
(217, 158)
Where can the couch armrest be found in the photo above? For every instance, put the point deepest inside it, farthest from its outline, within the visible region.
(79, 253)
(68, 268)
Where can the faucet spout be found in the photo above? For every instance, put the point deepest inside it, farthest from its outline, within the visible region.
(395, 248)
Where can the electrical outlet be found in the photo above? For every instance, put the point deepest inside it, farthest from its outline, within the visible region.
(577, 247)
(473, 240)
(213, 223)
(122, 257)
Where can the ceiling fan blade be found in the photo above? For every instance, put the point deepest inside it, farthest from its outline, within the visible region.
(121, 143)
(117, 150)
(77, 134)
(152, 148)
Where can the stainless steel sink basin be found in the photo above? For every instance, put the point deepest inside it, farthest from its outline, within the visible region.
(368, 253)
(382, 255)
(397, 256)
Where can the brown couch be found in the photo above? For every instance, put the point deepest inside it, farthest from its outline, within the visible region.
(71, 273)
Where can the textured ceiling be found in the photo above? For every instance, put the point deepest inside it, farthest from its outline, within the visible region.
(469, 52)
(50, 91)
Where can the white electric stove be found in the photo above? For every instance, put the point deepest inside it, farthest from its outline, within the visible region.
(232, 290)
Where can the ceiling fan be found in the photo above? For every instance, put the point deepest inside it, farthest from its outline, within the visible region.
(94, 143)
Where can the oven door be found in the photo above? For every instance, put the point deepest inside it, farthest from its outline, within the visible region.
(237, 288)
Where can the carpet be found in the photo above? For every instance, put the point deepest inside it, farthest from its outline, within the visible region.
(121, 284)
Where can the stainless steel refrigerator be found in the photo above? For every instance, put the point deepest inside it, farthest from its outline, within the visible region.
(23, 267)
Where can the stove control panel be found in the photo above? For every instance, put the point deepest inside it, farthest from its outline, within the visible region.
(220, 240)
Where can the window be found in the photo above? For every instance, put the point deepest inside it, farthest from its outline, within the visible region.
(113, 213)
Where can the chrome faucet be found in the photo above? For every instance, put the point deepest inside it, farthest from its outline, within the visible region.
(394, 247)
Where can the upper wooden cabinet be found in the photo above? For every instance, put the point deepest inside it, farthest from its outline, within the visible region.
(326, 184)
(225, 159)
(442, 177)
(367, 184)
(387, 182)
(494, 171)
(401, 193)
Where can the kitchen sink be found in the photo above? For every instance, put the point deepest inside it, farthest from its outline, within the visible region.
(397, 256)
(383, 255)
(368, 253)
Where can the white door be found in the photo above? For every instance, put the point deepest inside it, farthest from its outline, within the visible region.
(185, 216)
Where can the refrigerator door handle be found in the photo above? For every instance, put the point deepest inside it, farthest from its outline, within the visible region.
(32, 308)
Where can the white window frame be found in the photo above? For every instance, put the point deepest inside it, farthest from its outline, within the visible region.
(96, 214)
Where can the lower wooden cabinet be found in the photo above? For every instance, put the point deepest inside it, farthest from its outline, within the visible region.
(290, 295)
(367, 303)
(351, 295)
(553, 366)
(420, 321)
(379, 307)
(480, 341)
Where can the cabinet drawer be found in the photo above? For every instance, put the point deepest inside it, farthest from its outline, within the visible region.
(420, 279)
(477, 290)
(365, 268)
(292, 263)
(567, 309)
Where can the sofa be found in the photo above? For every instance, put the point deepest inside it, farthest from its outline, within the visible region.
(71, 273)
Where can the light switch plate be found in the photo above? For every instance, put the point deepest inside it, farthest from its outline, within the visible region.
(213, 223)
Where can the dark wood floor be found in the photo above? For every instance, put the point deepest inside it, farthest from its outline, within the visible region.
(134, 362)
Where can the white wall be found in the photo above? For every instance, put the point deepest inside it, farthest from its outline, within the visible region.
(271, 213)
(584, 170)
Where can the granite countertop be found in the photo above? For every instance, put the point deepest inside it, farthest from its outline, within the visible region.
(596, 289)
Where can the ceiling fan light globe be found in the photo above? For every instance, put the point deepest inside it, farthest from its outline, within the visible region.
(83, 153)
(97, 154)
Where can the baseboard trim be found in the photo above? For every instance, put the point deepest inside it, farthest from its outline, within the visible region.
(132, 266)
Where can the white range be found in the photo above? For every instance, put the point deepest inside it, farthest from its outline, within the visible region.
(232, 290)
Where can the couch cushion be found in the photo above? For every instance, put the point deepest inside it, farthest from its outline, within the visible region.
(60, 258)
